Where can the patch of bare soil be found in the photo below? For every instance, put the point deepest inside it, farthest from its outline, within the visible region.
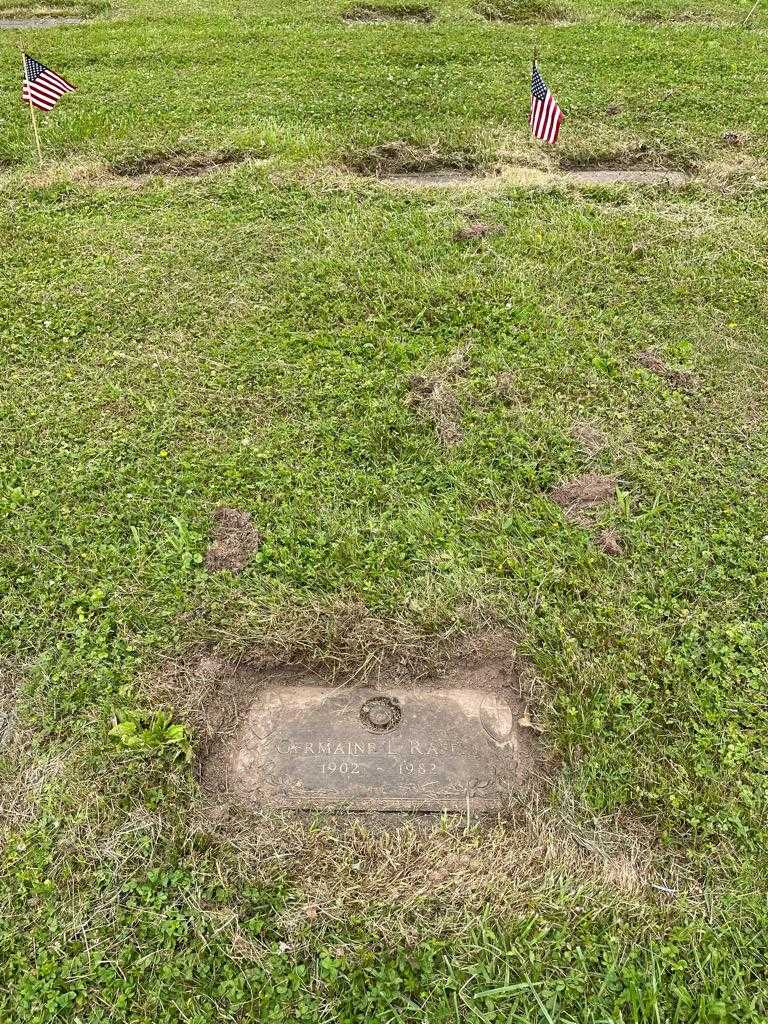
(683, 380)
(609, 543)
(590, 438)
(581, 496)
(375, 13)
(434, 398)
(176, 165)
(235, 539)
(478, 229)
(521, 12)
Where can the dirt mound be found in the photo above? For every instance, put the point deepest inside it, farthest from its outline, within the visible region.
(375, 13)
(683, 380)
(478, 229)
(235, 539)
(609, 543)
(176, 165)
(582, 495)
(520, 11)
(434, 399)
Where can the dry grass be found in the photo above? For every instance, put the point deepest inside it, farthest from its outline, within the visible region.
(25, 772)
(403, 876)
(589, 437)
(434, 398)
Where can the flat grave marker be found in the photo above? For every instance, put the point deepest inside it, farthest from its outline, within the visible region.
(395, 749)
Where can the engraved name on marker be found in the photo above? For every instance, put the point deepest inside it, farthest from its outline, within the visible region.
(387, 750)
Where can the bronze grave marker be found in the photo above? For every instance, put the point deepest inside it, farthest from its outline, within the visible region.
(398, 749)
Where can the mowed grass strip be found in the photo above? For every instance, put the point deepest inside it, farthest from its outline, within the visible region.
(248, 340)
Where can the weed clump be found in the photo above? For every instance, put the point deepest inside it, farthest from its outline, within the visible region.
(581, 496)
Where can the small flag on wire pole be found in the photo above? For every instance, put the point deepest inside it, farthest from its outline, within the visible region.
(546, 117)
(42, 89)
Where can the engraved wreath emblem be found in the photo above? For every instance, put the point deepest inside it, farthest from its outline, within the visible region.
(381, 714)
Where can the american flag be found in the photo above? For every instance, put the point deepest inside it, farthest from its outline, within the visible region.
(42, 87)
(546, 117)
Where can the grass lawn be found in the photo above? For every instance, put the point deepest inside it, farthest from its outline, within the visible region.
(246, 338)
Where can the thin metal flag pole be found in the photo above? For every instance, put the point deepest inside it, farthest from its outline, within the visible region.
(749, 16)
(533, 70)
(32, 109)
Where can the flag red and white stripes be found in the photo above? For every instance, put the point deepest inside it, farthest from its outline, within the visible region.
(546, 117)
(42, 87)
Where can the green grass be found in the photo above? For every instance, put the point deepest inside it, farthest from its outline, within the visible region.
(246, 339)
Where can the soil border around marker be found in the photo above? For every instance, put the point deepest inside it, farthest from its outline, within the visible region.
(401, 157)
(212, 693)
(178, 163)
